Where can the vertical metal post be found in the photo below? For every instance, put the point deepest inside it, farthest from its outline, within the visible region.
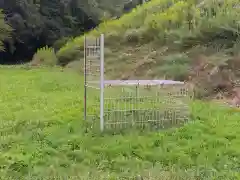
(102, 82)
(85, 79)
(137, 117)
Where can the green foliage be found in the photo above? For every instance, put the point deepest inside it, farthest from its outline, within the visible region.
(75, 66)
(45, 56)
(175, 23)
(73, 55)
(175, 66)
(132, 36)
(133, 20)
(5, 30)
(39, 23)
(42, 136)
(60, 42)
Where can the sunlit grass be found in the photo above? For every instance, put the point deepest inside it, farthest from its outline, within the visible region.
(42, 136)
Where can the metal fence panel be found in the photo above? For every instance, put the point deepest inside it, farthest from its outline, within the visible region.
(118, 104)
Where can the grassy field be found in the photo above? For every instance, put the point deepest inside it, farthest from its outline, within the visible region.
(43, 137)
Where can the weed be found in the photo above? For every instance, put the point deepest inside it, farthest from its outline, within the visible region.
(43, 136)
(45, 56)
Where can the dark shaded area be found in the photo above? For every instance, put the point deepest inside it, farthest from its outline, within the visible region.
(38, 23)
(22, 53)
(18, 52)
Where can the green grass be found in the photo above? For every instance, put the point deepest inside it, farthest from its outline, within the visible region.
(43, 137)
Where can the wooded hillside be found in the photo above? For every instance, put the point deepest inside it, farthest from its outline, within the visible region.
(38, 23)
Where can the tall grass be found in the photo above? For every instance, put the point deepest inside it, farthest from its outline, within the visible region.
(42, 136)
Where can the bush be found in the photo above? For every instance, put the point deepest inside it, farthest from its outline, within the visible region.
(5, 30)
(61, 42)
(76, 66)
(132, 36)
(112, 37)
(45, 56)
(71, 55)
(175, 66)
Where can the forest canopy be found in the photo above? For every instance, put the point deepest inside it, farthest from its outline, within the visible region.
(38, 23)
(5, 31)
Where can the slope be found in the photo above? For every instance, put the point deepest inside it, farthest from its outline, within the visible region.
(43, 137)
(171, 39)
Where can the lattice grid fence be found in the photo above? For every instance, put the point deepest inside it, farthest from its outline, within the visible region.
(118, 104)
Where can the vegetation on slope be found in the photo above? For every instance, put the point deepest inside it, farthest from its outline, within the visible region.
(42, 136)
(170, 39)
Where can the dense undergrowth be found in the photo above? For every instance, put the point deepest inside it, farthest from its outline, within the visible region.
(177, 39)
(178, 23)
(42, 136)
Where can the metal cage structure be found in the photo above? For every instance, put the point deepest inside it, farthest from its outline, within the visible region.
(120, 104)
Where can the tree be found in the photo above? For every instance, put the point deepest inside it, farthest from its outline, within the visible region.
(5, 30)
(38, 23)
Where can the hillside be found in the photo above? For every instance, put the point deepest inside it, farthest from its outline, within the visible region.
(43, 137)
(176, 39)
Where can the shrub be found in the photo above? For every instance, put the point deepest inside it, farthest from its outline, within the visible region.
(175, 66)
(61, 42)
(5, 30)
(112, 37)
(132, 35)
(45, 56)
(71, 55)
(76, 66)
